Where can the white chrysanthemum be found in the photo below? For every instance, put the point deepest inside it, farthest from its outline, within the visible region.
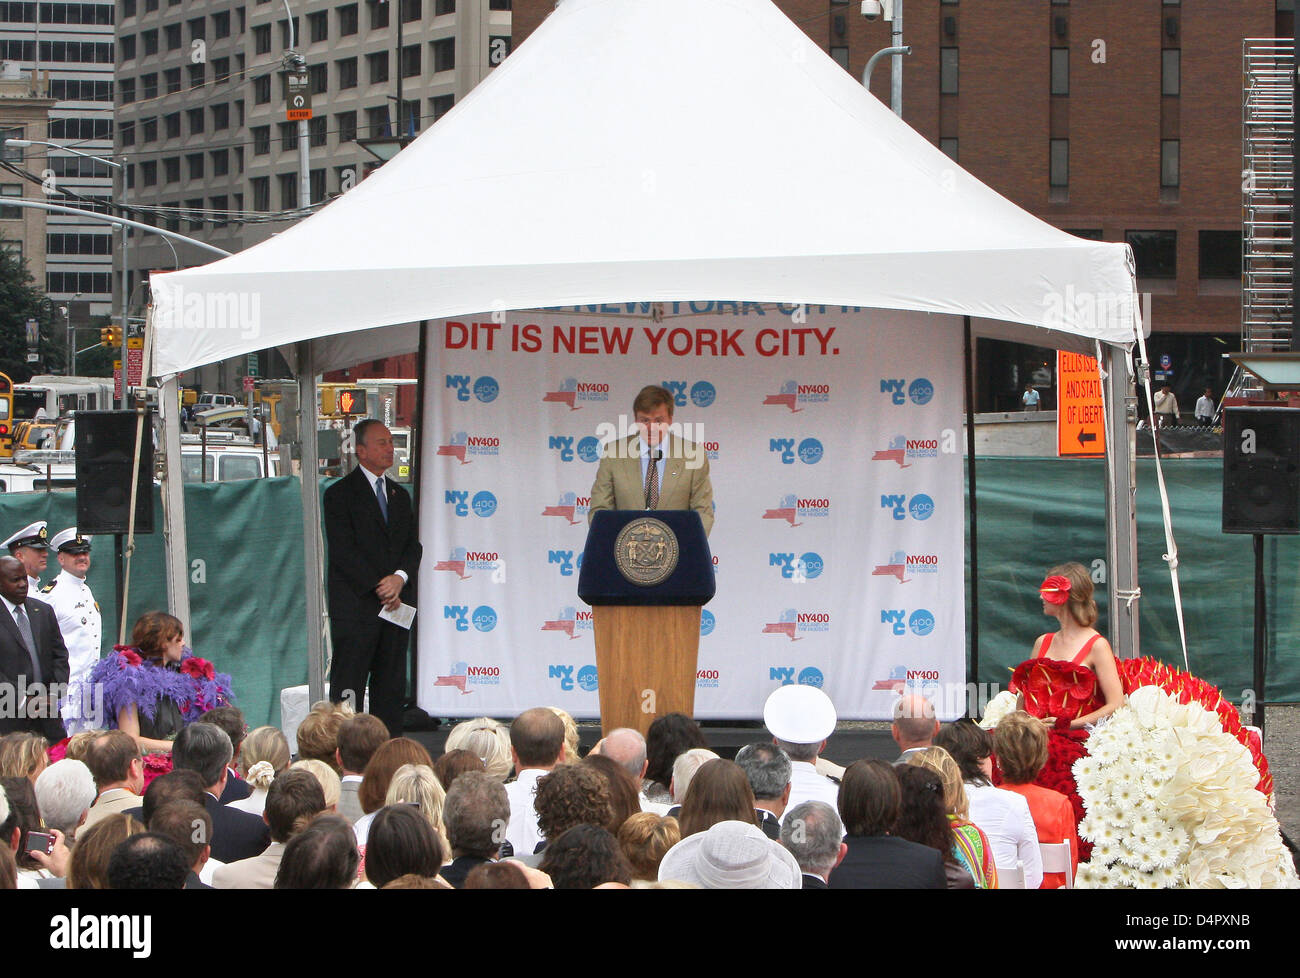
(997, 708)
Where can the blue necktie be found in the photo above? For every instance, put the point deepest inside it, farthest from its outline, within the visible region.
(382, 497)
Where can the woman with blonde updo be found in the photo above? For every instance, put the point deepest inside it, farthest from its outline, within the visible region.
(486, 739)
(264, 754)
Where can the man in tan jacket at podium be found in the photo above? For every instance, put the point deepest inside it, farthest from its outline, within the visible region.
(656, 468)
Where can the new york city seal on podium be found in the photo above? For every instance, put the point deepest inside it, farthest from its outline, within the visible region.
(646, 551)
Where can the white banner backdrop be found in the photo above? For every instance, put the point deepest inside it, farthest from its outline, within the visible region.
(834, 442)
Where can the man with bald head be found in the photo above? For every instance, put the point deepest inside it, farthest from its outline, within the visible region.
(914, 726)
(536, 746)
(33, 658)
(627, 747)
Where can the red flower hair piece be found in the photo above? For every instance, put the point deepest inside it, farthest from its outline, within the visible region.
(129, 655)
(1055, 590)
(198, 668)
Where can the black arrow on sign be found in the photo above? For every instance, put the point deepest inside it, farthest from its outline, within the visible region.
(1086, 436)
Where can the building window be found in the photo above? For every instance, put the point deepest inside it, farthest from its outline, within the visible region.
(194, 165)
(220, 204)
(319, 26)
(1092, 234)
(1170, 71)
(173, 32)
(150, 41)
(346, 123)
(149, 130)
(262, 39)
(444, 54)
(172, 169)
(126, 91)
(261, 193)
(220, 162)
(288, 191)
(1156, 253)
(347, 20)
(377, 122)
(239, 161)
(195, 120)
(172, 125)
(128, 9)
(1220, 254)
(377, 67)
(1169, 163)
(347, 72)
(411, 10)
(1058, 164)
(149, 85)
(840, 55)
(149, 173)
(172, 80)
(286, 36)
(220, 117)
(316, 131)
(126, 48)
(11, 213)
(948, 147)
(947, 71)
(441, 7)
(1060, 71)
(499, 4)
(318, 78)
(198, 29)
(198, 75)
(127, 132)
(220, 70)
(378, 13)
(221, 24)
(262, 90)
(317, 187)
(440, 105)
(288, 135)
(195, 207)
(411, 61)
(261, 140)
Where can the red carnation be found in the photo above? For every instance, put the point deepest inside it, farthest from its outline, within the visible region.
(198, 668)
(131, 658)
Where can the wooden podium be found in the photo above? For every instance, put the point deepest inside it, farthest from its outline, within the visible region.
(647, 618)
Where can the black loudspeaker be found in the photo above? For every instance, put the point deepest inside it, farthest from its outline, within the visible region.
(105, 443)
(1261, 470)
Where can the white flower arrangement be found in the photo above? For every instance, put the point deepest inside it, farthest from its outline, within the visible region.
(998, 707)
(1171, 802)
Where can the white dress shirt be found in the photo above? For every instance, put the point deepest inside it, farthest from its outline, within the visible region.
(1005, 819)
(807, 785)
(522, 832)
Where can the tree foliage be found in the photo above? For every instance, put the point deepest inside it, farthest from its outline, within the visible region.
(20, 300)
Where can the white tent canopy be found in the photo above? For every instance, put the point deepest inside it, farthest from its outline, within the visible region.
(650, 150)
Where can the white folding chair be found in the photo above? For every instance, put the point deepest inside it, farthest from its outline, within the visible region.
(1056, 859)
(1012, 877)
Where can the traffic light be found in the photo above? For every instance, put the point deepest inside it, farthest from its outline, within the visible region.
(351, 400)
(111, 336)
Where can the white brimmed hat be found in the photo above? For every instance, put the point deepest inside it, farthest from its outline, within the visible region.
(29, 536)
(70, 541)
(732, 856)
(799, 714)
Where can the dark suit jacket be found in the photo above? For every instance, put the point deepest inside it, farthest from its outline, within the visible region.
(235, 834)
(769, 823)
(14, 662)
(363, 549)
(884, 862)
(236, 790)
(460, 867)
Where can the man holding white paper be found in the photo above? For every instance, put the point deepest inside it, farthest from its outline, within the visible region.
(373, 557)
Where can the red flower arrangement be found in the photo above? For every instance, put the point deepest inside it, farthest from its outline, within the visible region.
(1186, 688)
(129, 655)
(198, 668)
(1056, 689)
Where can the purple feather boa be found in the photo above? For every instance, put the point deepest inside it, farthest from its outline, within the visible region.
(126, 682)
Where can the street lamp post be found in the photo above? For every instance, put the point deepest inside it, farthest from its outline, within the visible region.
(126, 245)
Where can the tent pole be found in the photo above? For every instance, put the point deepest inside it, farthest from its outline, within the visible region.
(173, 496)
(413, 457)
(313, 576)
(1121, 503)
(968, 353)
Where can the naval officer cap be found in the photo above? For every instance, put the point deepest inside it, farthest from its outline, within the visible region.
(799, 714)
(33, 536)
(69, 541)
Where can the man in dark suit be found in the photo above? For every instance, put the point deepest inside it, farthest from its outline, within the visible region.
(373, 557)
(812, 832)
(205, 748)
(33, 658)
(768, 770)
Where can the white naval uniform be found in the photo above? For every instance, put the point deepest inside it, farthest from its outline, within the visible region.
(34, 589)
(82, 628)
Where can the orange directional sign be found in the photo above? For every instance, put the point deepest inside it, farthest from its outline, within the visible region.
(1080, 421)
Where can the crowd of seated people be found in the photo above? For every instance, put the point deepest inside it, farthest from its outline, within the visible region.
(515, 806)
